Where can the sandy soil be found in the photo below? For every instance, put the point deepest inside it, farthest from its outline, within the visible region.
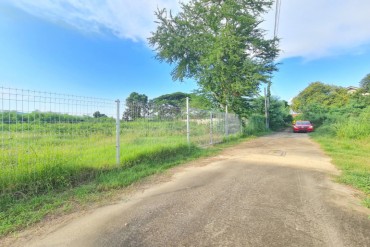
(272, 191)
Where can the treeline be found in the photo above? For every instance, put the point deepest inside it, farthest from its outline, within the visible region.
(338, 110)
(13, 117)
(166, 106)
(250, 110)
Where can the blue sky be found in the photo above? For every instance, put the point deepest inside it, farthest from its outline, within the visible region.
(99, 48)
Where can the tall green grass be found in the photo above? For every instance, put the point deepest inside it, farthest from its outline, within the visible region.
(348, 143)
(20, 211)
(48, 165)
(255, 124)
(354, 127)
(43, 157)
(39, 157)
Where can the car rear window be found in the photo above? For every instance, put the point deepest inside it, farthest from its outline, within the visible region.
(303, 122)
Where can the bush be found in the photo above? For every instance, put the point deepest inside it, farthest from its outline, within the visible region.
(355, 127)
(255, 124)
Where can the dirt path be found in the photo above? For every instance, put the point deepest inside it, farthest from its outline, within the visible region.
(272, 191)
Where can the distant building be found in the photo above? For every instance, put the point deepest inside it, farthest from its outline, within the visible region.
(294, 114)
(352, 89)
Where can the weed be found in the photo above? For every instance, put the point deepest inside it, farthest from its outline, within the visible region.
(352, 157)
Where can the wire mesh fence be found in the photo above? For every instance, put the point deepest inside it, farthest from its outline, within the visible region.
(51, 140)
(42, 132)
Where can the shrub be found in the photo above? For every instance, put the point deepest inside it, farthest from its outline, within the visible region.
(255, 124)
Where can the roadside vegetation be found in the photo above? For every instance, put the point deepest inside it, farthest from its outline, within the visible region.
(56, 163)
(19, 210)
(342, 122)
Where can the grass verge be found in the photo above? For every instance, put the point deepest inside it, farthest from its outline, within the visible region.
(20, 211)
(352, 157)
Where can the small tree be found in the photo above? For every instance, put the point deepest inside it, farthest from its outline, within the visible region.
(97, 114)
(365, 83)
(136, 106)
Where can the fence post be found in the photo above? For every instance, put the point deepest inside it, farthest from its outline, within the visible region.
(118, 130)
(187, 121)
(226, 123)
(241, 126)
(211, 128)
(266, 110)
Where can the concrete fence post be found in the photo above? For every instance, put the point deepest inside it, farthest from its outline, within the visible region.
(187, 121)
(118, 132)
(211, 128)
(226, 122)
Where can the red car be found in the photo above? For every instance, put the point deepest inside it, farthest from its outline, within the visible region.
(302, 126)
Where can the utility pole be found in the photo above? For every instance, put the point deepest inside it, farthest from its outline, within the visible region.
(266, 110)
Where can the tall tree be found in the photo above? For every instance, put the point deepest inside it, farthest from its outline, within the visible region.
(365, 83)
(219, 44)
(136, 106)
(168, 105)
(320, 94)
(279, 111)
(177, 99)
(97, 114)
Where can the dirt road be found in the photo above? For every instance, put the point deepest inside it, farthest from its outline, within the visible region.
(272, 191)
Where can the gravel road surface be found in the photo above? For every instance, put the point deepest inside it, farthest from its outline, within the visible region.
(276, 190)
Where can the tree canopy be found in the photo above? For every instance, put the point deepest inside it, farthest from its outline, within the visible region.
(97, 114)
(177, 99)
(365, 83)
(136, 106)
(320, 94)
(322, 103)
(219, 44)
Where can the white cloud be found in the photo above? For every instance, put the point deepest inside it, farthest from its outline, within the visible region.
(127, 19)
(315, 28)
(308, 28)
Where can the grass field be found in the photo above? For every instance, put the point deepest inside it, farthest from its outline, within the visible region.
(18, 211)
(348, 144)
(39, 157)
(49, 160)
(51, 156)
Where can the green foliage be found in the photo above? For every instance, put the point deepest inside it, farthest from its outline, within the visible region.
(13, 117)
(365, 83)
(219, 44)
(354, 127)
(168, 105)
(279, 111)
(203, 100)
(177, 99)
(315, 113)
(343, 122)
(255, 124)
(97, 114)
(351, 156)
(136, 106)
(19, 210)
(318, 96)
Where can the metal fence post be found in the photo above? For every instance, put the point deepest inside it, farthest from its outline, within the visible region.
(187, 121)
(211, 128)
(118, 130)
(226, 122)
